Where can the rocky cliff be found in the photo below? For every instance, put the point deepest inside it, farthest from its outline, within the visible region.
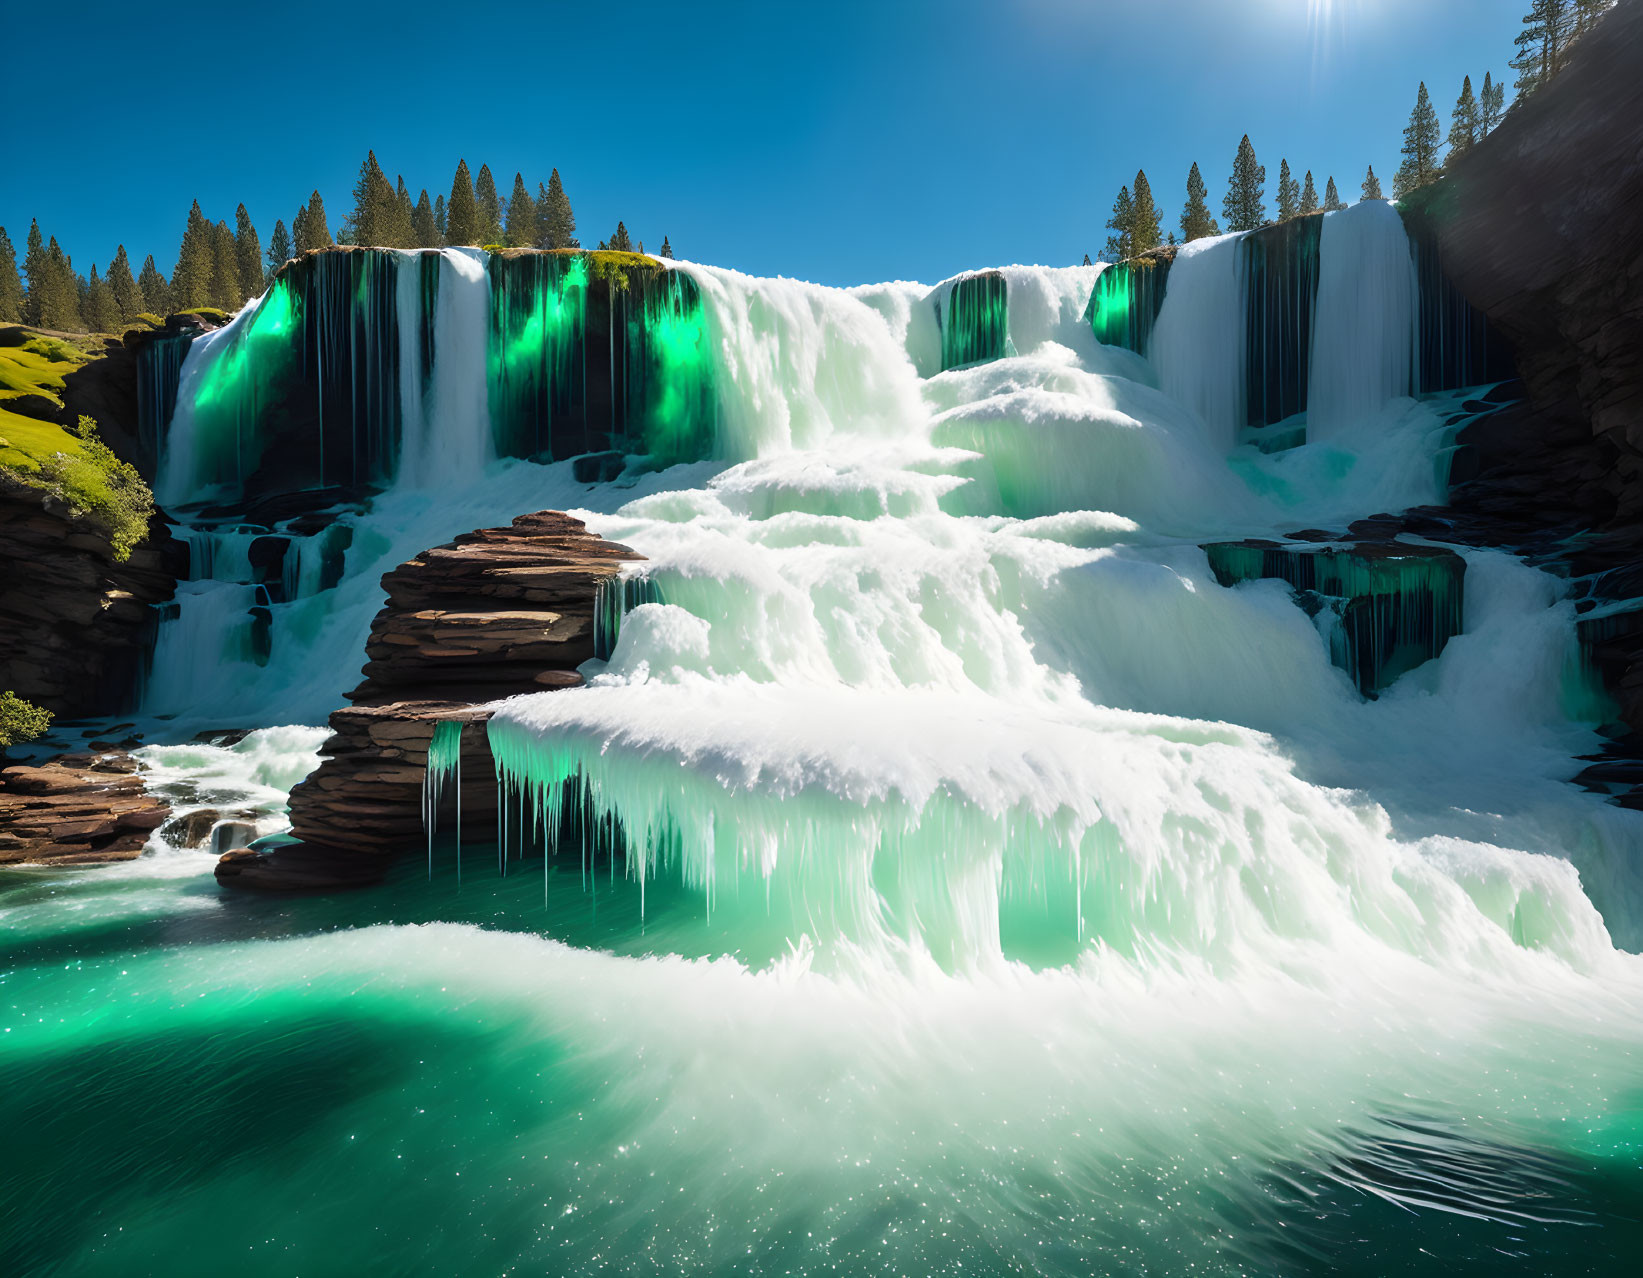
(496, 612)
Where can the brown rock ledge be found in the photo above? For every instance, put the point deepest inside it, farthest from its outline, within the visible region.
(76, 810)
(494, 613)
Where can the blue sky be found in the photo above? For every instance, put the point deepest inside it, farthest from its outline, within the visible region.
(842, 142)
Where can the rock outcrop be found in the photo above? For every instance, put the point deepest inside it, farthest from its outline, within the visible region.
(75, 623)
(496, 612)
(76, 809)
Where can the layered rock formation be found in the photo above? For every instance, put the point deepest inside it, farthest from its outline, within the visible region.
(496, 612)
(77, 809)
(75, 623)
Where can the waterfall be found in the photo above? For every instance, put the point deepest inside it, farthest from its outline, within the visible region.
(1364, 347)
(445, 412)
(1198, 341)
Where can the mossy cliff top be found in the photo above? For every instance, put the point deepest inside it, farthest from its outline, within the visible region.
(603, 264)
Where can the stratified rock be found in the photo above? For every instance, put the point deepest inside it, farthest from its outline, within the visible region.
(76, 809)
(496, 612)
(75, 624)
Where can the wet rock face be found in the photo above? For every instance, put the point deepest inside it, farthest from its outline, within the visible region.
(1542, 228)
(496, 612)
(1386, 607)
(77, 809)
(75, 625)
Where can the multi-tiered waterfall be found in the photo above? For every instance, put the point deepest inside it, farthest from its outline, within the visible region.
(954, 867)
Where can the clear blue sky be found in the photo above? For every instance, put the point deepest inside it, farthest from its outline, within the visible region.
(843, 142)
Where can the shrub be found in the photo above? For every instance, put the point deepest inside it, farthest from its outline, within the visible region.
(99, 484)
(20, 720)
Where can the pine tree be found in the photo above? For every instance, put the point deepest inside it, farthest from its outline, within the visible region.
(191, 278)
(621, 241)
(225, 269)
(558, 222)
(11, 283)
(488, 207)
(309, 231)
(1333, 203)
(462, 214)
(404, 219)
(521, 231)
(1145, 230)
(60, 305)
(1087, 261)
(1464, 122)
(1196, 221)
(279, 248)
(34, 271)
(1309, 195)
(248, 254)
(1542, 44)
(1289, 193)
(439, 217)
(1121, 243)
(667, 249)
(1491, 104)
(1372, 186)
(156, 292)
(128, 298)
(371, 223)
(100, 312)
(1420, 148)
(1245, 204)
(424, 231)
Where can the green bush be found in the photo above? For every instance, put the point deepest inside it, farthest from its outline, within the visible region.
(99, 484)
(20, 720)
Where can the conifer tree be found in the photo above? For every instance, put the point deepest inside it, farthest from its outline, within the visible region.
(1196, 221)
(1245, 204)
(1491, 104)
(1146, 232)
(279, 248)
(1542, 44)
(1464, 122)
(100, 312)
(248, 255)
(1372, 186)
(558, 222)
(1309, 195)
(1289, 193)
(1420, 148)
(621, 241)
(667, 250)
(34, 271)
(11, 283)
(462, 214)
(309, 230)
(439, 217)
(488, 208)
(128, 298)
(401, 231)
(1121, 243)
(60, 305)
(225, 269)
(424, 231)
(521, 231)
(156, 292)
(1333, 203)
(191, 277)
(371, 223)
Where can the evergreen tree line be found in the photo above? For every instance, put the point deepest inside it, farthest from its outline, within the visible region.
(1549, 31)
(224, 266)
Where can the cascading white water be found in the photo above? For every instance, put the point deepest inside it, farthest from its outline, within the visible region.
(442, 445)
(1198, 342)
(1364, 341)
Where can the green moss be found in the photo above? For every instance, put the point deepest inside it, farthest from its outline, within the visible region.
(210, 313)
(20, 720)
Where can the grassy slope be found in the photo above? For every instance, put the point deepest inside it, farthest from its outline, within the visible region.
(34, 368)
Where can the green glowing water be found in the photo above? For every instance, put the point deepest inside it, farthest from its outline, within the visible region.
(414, 1080)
